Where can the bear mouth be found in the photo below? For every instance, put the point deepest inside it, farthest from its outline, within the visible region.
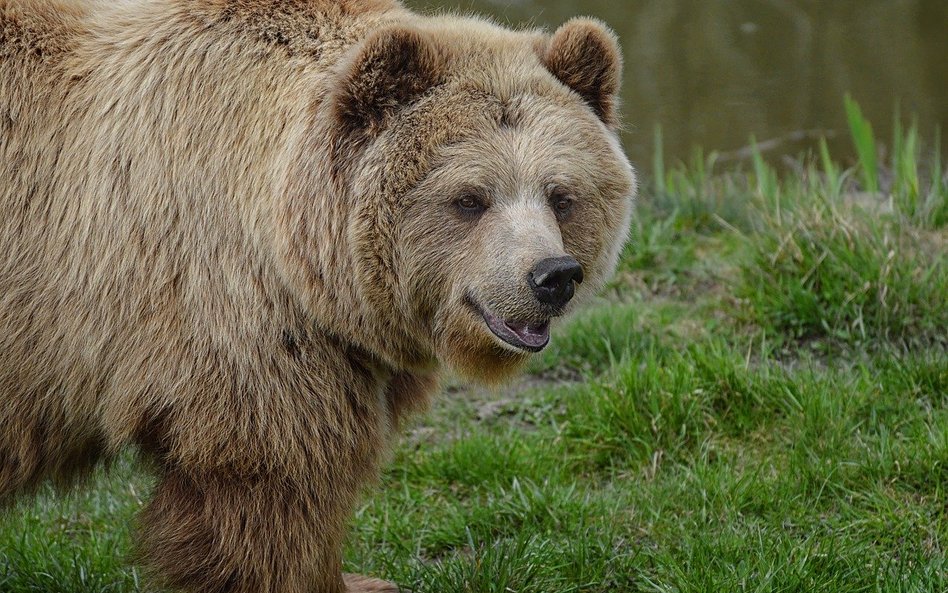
(532, 337)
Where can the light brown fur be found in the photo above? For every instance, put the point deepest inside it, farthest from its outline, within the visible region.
(223, 240)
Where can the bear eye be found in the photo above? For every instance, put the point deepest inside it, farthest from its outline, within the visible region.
(561, 202)
(470, 205)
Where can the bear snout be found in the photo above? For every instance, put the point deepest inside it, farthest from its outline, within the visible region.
(553, 280)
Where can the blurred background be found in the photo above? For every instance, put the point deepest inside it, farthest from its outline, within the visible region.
(713, 72)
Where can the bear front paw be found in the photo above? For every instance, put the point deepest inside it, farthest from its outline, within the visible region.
(360, 584)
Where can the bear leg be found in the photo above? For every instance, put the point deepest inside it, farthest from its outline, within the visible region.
(234, 534)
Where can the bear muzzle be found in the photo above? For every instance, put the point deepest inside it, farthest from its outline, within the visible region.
(553, 280)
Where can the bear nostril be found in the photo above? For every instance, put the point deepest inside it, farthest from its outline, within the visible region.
(552, 280)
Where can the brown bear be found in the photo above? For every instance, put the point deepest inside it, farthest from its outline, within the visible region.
(245, 236)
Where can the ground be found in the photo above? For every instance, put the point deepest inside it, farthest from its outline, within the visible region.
(759, 402)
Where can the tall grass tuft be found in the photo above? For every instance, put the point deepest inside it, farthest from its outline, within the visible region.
(936, 198)
(865, 142)
(829, 261)
(906, 151)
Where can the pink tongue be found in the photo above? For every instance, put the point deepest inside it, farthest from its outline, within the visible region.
(532, 335)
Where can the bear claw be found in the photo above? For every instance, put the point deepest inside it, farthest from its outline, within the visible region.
(360, 584)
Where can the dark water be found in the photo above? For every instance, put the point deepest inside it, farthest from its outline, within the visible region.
(713, 72)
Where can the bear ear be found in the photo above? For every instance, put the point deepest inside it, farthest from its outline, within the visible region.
(390, 69)
(584, 55)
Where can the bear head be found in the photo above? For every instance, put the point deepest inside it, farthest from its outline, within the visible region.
(486, 189)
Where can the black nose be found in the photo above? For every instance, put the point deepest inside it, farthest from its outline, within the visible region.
(552, 280)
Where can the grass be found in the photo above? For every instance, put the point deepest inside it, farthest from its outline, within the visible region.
(759, 402)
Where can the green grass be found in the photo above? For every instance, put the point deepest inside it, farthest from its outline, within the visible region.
(759, 402)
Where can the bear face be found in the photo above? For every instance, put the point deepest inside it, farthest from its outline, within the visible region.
(490, 193)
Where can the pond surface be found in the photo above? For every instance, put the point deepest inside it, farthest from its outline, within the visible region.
(713, 72)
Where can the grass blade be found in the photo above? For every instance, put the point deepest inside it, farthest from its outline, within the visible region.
(865, 143)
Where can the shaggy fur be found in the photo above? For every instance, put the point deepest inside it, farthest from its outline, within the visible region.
(229, 237)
